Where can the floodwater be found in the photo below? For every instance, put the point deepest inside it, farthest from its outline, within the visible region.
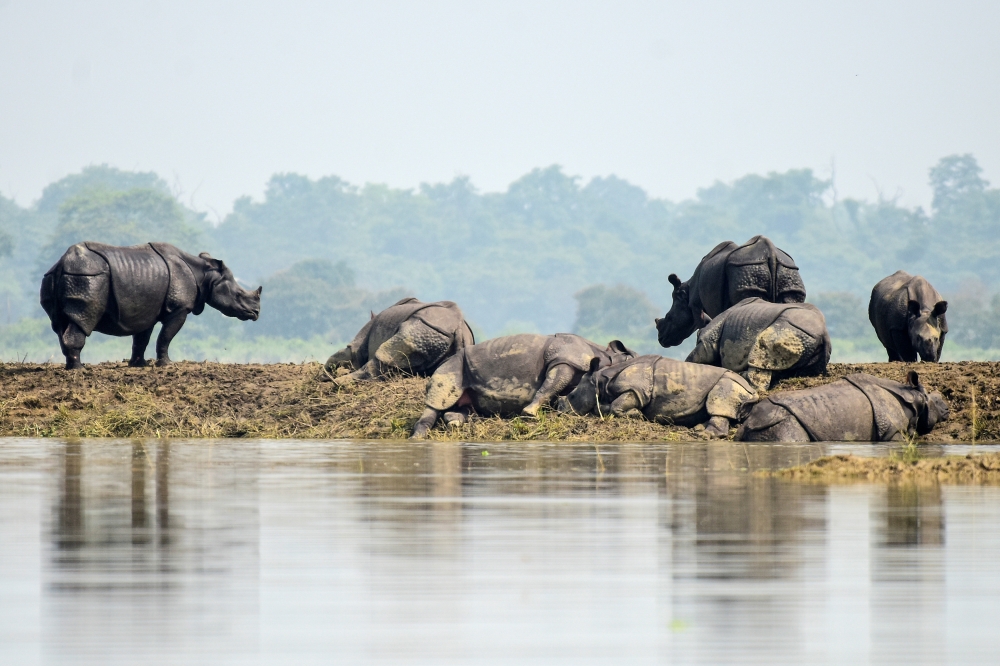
(152, 551)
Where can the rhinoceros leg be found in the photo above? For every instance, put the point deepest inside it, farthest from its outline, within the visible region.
(139, 343)
(71, 340)
(557, 380)
(425, 423)
(626, 402)
(167, 333)
(726, 402)
(456, 417)
(786, 430)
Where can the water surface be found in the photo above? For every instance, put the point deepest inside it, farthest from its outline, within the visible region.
(230, 551)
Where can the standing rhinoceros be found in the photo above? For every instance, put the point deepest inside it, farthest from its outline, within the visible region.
(510, 375)
(665, 391)
(857, 408)
(909, 317)
(765, 341)
(127, 290)
(724, 277)
(410, 337)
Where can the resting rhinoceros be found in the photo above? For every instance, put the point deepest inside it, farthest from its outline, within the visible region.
(510, 375)
(665, 391)
(127, 290)
(410, 336)
(909, 317)
(857, 408)
(765, 341)
(724, 277)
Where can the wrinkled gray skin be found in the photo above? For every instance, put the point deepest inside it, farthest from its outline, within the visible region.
(127, 290)
(410, 337)
(510, 375)
(665, 391)
(766, 341)
(909, 317)
(858, 408)
(724, 277)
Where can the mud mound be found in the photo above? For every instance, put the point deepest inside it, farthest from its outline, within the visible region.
(236, 400)
(846, 468)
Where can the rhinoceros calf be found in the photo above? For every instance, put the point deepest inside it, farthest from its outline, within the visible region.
(510, 375)
(909, 317)
(724, 277)
(765, 341)
(410, 337)
(127, 290)
(665, 391)
(858, 408)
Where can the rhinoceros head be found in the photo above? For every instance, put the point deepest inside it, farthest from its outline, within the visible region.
(586, 396)
(341, 359)
(933, 410)
(927, 327)
(225, 295)
(678, 323)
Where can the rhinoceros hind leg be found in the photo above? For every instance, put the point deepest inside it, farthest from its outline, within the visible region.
(425, 423)
(167, 333)
(139, 343)
(71, 340)
(786, 430)
(457, 417)
(557, 380)
(414, 349)
(717, 426)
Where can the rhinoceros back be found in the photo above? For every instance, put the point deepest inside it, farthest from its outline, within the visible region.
(758, 268)
(504, 373)
(139, 283)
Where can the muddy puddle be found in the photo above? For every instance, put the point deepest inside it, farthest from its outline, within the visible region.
(293, 551)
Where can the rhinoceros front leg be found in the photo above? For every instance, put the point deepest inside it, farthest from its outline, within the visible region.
(625, 403)
(71, 340)
(139, 343)
(167, 333)
(425, 423)
(557, 380)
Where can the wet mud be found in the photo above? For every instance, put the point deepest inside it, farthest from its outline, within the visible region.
(287, 400)
(983, 468)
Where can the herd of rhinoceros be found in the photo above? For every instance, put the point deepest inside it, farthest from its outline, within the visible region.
(747, 303)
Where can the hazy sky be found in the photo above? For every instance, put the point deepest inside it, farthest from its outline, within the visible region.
(672, 96)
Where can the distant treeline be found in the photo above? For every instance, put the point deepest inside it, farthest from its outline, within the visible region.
(327, 251)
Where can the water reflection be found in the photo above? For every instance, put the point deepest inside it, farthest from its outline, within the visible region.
(355, 552)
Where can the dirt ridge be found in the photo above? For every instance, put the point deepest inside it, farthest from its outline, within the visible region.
(286, 400)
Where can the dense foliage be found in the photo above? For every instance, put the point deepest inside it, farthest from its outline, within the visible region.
(540, 256)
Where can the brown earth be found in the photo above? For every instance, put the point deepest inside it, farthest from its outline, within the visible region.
(235, 400)
(983, 468)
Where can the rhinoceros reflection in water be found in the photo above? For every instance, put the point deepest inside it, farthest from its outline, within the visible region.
(666, 391)
(510, 375)
(409, 337)
(766, 341)
(857, 408)
(127, 290)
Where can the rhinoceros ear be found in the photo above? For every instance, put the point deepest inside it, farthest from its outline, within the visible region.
(913, 308)
(913, 379)
(215, 264)
(595, 364)
(674, 280)
(260, 290)
(940, 308)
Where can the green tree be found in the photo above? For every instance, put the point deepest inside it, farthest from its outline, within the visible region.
(318, 297)
(607, 312)
(120, 218)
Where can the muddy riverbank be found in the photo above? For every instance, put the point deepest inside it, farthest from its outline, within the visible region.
(236, 400)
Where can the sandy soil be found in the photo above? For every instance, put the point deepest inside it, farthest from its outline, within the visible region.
(234, 400)
(972, 468)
